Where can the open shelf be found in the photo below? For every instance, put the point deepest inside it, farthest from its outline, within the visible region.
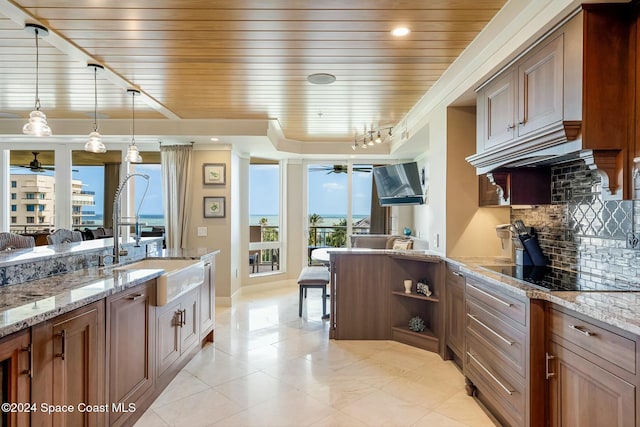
(415, 296)
(426, 339)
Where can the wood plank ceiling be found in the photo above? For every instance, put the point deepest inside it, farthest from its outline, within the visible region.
(241, 59)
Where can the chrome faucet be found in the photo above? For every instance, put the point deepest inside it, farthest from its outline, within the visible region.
(117, 251)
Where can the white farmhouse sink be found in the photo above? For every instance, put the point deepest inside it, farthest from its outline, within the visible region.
(180, 275)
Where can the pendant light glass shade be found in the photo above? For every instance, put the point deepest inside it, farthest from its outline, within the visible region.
(95, 144)
(133, 155)
(37, 124)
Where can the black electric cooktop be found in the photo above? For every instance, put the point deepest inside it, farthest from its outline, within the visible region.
(560, 280)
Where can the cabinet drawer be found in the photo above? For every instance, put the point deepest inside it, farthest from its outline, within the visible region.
(498, 301)
(501, 387)
(506, 342)
(454, 276)
(605, 344)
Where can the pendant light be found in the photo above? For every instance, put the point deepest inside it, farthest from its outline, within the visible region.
(133, 155)
(95, 144)
(37, 124)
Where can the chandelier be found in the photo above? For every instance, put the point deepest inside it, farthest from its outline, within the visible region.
(371, 137)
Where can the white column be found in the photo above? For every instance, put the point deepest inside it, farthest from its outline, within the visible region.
(63, 199)
(5, 191)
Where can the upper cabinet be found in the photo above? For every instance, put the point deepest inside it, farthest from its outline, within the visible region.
(568, 95)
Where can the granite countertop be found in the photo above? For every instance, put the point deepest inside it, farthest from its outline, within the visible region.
(21, 256)
(619, 309)
(26, 304)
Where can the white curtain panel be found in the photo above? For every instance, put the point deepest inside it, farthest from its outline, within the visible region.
(175, 161)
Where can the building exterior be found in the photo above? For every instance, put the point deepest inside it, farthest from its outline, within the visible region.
(33, 203)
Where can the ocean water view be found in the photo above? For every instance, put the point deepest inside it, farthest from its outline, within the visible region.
(149, 220)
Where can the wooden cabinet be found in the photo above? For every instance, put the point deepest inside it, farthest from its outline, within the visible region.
(515, 186)
(360, 297)
(524, 101)
(177, 326)
(455, 312)
(504, 339)
(68, 366)
(130, 348)
(15, 377)
(368, 299)
(208, 301)
(591, 371)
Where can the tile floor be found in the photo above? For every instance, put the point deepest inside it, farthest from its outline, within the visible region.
(268, 367)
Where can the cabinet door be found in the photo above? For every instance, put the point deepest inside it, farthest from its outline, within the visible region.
(70, 367)
(455, 319)
(190, 318)
(584, 394)
(131, 347)
(497, 110)
(168, 336)
(15, 371)
(207, 300)
(540, 88)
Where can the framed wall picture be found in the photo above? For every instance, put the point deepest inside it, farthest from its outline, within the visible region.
(213, 174)
(214, 207)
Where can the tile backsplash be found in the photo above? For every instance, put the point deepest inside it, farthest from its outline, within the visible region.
(579, 230)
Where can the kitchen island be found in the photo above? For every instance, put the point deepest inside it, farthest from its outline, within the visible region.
(97, 336)
(530, 356)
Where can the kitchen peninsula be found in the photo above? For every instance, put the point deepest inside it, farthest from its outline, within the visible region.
(87, 336)
(528, 355)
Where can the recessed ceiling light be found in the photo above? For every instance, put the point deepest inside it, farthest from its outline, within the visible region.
(400, 31)
(321, 78)
(214, 139)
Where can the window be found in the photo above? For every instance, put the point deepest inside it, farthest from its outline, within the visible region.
(265, 219)
(14, 208)
(31, 220)
(14, 184)
(14, 220)
(151, 207)
(41, 208)
(14, 196)
(30, 196)
(31, 208)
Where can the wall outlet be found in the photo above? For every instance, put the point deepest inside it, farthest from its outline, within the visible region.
(202, 231)
(633, 241)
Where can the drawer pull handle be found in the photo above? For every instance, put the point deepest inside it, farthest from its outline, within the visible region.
(507, 390)
(506, 341)
(455, 273)
(490, 296)
(582, 330)
(136, 297)
(547, 371)
(63, 337)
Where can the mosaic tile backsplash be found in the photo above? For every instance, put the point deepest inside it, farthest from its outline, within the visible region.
(579, 230)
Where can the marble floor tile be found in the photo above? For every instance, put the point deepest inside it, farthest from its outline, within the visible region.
(269, 367)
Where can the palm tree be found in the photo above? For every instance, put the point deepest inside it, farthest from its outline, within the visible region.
(339, 235)
(314, 220)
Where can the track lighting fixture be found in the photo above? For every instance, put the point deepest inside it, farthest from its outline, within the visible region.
(370, 137)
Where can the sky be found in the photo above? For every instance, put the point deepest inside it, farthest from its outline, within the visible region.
(329, 192)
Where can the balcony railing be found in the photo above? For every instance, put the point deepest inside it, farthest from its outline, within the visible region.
(332, 235)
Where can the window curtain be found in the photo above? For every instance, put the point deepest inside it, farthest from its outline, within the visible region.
(111, 182)
(379, 215)
(175, 168)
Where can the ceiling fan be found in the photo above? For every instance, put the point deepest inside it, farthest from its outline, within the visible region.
(339, 168)
(36, 166)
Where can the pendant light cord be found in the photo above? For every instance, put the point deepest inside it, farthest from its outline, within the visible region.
(37, 70)
(95, 99)
(133, 118)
